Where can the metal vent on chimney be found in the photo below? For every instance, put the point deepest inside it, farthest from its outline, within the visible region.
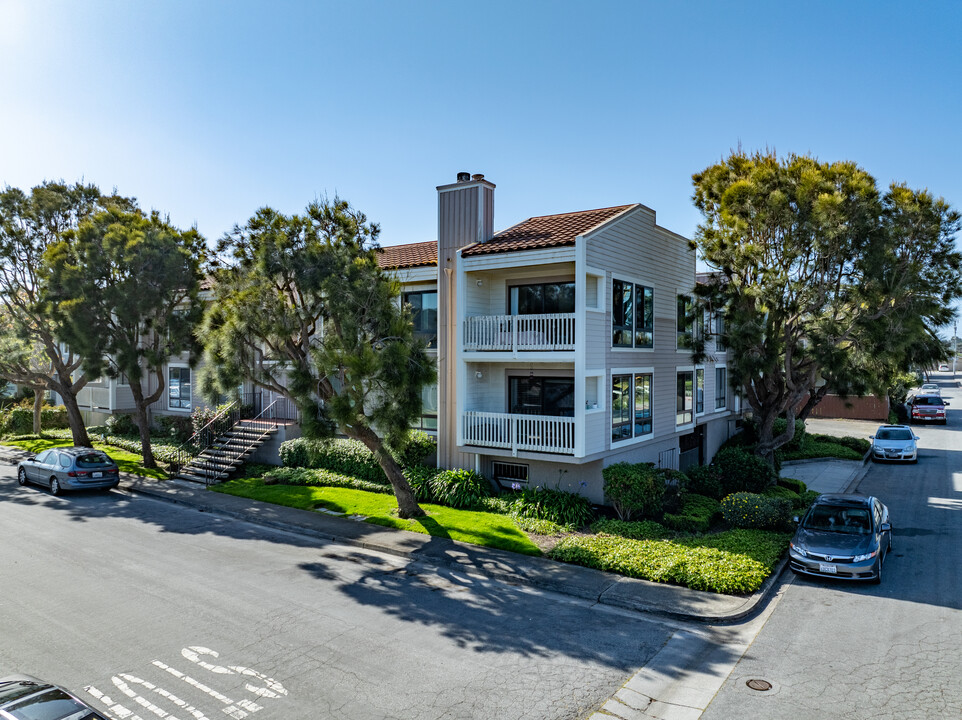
(464, 177)
(477, 176)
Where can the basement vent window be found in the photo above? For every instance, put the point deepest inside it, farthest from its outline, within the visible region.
(510, 476)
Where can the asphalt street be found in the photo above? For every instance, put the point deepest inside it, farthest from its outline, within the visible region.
(146, 608)
(840, 649)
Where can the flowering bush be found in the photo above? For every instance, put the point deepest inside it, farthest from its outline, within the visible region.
(754, 511)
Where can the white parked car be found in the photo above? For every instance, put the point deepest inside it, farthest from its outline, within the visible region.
(930, 389)
(895, 442)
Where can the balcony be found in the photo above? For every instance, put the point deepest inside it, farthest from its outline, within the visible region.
(510, 333)
(535, 433)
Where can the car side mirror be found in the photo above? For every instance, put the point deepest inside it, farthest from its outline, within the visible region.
(916, 437)
(885, 527)
(871, 437)
(795, 519)
(945, 402)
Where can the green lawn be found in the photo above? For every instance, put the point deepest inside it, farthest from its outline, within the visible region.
(477, 528)
(128, 462)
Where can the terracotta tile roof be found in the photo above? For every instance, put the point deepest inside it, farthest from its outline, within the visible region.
(411, 255)
(545, 231)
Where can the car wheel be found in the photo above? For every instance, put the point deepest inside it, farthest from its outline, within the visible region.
(878, 572)
(54, 486)
(22, 477)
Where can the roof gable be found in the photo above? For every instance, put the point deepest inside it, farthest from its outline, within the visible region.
(546, 231)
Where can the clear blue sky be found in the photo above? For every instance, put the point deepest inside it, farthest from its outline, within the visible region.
(207, 110)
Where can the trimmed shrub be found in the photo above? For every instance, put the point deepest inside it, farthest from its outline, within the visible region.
(295, 453)
(558, 506)
(860, 445)
(179, 429)
(783, 492)
(539, 527)
(644, 530)
(781, 424)
(753, 511)
(704, 480)
(696, 515)
(459, 488)
(796, 486)
(348, 457)
(417, 448)
(807, 498)
(121, 425)
(321, 478)
(633, 489)
(19, 421)
(741, 471)
(54, 418)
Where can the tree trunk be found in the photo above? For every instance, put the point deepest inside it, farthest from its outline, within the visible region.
(143, 425)
(407, 504)
(76, 419)
(37, 410)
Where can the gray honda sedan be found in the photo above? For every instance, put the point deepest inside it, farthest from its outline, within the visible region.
(842, 536)
(23, 697)
(70, 468)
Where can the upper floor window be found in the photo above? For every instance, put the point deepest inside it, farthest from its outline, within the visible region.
(718, 331)
(428, 420)
(699, 391)
(721, 388)
(685, 324)
(424, 314)
(543, 298)
(632, 315)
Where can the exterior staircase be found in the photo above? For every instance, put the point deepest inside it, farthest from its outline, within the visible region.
(228, 451)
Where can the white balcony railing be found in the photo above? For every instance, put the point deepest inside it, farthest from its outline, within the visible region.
(551, 331)
(538, 433)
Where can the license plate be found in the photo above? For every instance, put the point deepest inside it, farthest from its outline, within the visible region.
(826, 568)
(96, 474)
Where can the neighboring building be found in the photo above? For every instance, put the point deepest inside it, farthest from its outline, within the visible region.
(563, 343)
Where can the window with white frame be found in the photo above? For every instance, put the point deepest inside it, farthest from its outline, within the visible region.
(721, 388)
(424, 314)
(685, 403)
(632, 315)
(428, 419)
(178, 388)
(630, 406)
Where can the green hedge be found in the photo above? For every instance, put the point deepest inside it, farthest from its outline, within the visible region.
(348, 457)
(696, 515)
(459, 488)
(643, 530)
(796, 486)
(704, 480)
(755, 511)
(633, 489)
(737, 561)
(741, 471)
(322, 478)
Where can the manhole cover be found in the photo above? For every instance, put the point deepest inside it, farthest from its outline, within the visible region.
(760, 685)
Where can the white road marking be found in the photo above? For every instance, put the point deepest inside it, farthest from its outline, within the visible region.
(116, 708)
(196, 683)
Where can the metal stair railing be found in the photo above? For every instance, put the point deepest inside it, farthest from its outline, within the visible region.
(217, 426)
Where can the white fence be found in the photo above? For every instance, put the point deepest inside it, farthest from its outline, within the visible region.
(538, 433)
(551, 331)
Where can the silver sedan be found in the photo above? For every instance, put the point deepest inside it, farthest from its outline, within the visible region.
(70, 468)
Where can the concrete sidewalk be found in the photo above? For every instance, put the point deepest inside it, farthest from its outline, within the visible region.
(593, 585)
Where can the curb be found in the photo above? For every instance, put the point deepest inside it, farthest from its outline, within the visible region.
(572, 580)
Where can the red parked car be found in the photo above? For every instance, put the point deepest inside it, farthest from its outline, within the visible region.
(927, 408)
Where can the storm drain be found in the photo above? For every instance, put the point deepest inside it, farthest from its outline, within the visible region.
(760, 685)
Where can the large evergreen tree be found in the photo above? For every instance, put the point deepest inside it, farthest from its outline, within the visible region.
(29, 224)
(302, 309)
(822, 279)
(124, 289)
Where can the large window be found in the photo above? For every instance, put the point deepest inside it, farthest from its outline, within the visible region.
(632, 315)
(178, 388)
(721, 388)
(630, 406)
(424, 314)
(542, 396)
(719, 332)
(543, 298)
(685, 322)
(429, 409)
(686, 398)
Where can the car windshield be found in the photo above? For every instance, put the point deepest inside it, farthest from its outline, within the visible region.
(893, 434)
(839, 518)
(51, 705)
(930, 386)
(93, 459)
(927, 400)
